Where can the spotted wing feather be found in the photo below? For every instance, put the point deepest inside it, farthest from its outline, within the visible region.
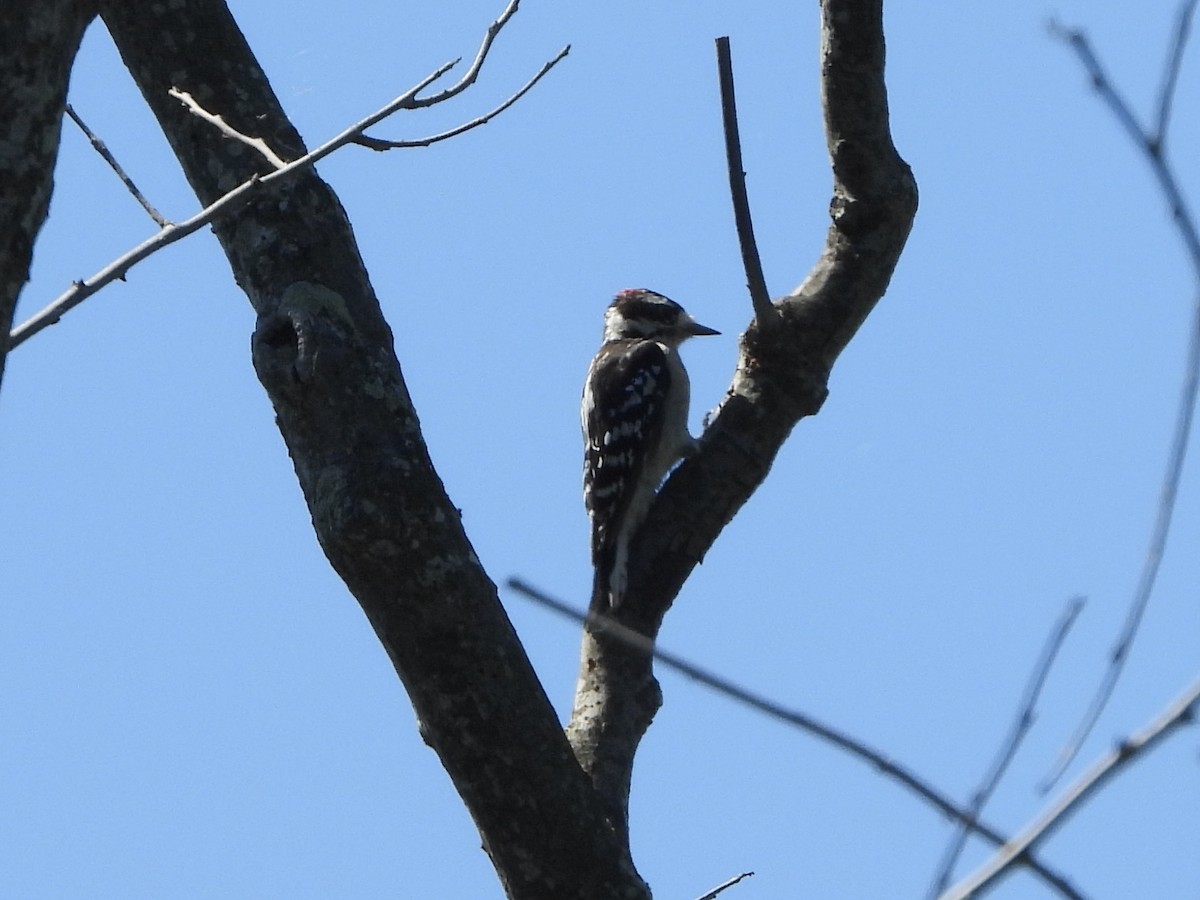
(624, 413)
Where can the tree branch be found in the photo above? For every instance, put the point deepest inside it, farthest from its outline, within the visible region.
(1152, 145)
(1166, 96)
(725, 885)
(988, 876)
(472, 73)
(378, 144)
(325, 356)
(780, 377)
(885, 765)
(756, 283)
(227, 203)
(222, 206)
(1008, 748)
(105, 154)
(256, 144)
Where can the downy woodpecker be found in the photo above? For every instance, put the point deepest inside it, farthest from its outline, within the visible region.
(634, 414)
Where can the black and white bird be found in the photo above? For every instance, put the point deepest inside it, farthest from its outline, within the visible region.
(634, 414)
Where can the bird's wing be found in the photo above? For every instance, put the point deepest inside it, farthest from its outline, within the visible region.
(624, 411)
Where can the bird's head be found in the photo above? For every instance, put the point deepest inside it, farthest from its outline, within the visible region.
(642, 314)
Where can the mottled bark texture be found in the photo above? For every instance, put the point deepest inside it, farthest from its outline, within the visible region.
(38, 42)
(325, 356)
(781, 377)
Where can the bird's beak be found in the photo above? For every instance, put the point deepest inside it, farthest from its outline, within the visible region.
(697, 330)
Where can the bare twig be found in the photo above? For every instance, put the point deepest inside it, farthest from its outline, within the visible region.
(226, 129)
(378, 144)
(1181, 712)
(1152, 146)
(1166, 96)
(856, 748)
(115, 270)
(81, 290)
(1120, 108)
(1008, 749)
(724, 885)
(472, 73)
(756, 283)
(100, 147)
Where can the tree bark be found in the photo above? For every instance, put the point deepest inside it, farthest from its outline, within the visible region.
(781, 377)
(325, 356)
(38, 43)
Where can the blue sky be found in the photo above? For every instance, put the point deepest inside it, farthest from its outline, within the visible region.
(194, 705)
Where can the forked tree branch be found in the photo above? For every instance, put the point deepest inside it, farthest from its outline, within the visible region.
(236, 198)
(380, 144)
(1166, 94)
(472, 73)
(1180, 712)
(969, 819)
(1008, 748)
(222, 206)
(780, 377)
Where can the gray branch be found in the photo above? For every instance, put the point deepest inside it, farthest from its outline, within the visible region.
(1152, 143)
(1180, 712)
(780, 378)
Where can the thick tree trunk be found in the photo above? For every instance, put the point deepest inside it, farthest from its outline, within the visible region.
(38, 43)
(324, 354)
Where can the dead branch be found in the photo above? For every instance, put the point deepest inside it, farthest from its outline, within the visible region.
(1008, 748)
(257, 144)
(378, 144)
(239, 196)
(1151, 141)
(723, 886)
(756, 283)
(880, 762)
(105, 154)
(1180, 712)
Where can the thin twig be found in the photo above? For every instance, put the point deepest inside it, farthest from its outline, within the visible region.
(226, 129)
(727, 884)
(856, 748)
(116, 270)
(100, 147)
(1166, 97)
(1008, 749)
(378, 144)
(1181, 712)
(1120, 108)
(1163, 172)
(756, 283)
(472, 73)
